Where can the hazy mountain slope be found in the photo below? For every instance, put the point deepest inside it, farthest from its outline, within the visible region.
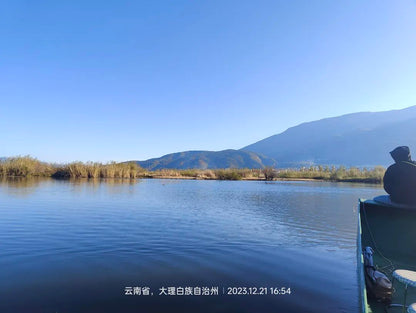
(361, 139)
(208, 160)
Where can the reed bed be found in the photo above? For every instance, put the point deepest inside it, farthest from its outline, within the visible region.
(352, 174)
(25, 166)
(99, 170)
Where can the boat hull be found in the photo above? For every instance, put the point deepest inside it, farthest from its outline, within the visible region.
(391, 231)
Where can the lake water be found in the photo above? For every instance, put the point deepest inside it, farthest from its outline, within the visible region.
(80, 246)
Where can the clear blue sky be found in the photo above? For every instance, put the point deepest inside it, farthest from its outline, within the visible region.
(121, 80)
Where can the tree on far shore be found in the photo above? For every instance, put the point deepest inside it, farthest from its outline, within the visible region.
(269, 173)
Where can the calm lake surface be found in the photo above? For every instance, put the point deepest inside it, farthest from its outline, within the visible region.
(75, 246)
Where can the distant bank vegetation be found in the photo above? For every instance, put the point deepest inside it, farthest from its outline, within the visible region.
(27, 166)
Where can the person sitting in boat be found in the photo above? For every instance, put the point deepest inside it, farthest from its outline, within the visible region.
(400, 178)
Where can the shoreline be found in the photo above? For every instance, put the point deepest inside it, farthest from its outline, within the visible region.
(352, 180)
(295, 179)
(30, 167)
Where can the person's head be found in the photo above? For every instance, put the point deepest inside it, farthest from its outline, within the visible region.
(401, 153)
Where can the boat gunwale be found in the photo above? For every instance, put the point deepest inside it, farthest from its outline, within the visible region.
(360, 263)
(392, 205)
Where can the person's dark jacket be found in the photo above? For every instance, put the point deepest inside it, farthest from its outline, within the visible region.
(400, 178)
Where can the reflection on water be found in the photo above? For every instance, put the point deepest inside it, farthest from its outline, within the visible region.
(19, 186)
(22, 186)
(74, 245)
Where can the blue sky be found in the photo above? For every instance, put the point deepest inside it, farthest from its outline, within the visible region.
(121, 80)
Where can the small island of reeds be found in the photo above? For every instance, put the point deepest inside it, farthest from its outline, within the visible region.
(26, 166)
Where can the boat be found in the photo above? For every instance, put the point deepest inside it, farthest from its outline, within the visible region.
(386, 233)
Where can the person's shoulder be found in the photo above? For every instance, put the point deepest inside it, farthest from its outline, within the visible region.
(407, 163)
(393, 166)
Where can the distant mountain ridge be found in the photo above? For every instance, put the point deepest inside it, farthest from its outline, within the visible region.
(208, 160)
(357, 139)
(361, 139)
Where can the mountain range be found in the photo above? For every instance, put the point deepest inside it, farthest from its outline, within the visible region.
(357, 139)
(361, 139)
(209, 160)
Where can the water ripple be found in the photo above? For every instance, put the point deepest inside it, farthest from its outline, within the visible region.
(95, 238)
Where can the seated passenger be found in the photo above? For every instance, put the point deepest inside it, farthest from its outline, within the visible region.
(400, 178)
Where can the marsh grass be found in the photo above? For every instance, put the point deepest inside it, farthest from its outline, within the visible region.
(25, 166)
(352, 174)
(99, 170)
(228, 174)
